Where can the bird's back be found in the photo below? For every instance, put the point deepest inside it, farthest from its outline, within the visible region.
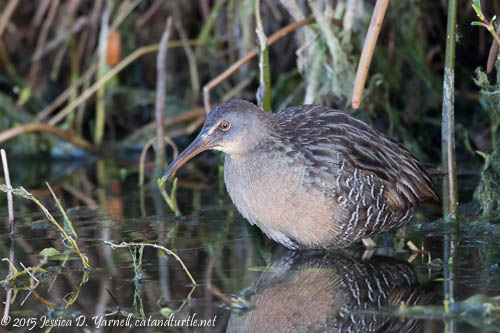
(324, 135)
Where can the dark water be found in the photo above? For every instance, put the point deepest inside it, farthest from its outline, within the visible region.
(245, 283)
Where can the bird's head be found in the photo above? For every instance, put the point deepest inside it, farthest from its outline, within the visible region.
(234, 127)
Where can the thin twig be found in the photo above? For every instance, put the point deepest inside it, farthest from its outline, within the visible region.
(292, 95)
(80, 195)
(209, 23)
(87, 40)
(170, 252)
(10, 207)
(54, 43)
(170, 199)
(9, 194)
(9, 67)
(367, 53)
(295, 11)
(29, 273)
(149, 13)
(42, 127)
(161, 88)
(144, 152)
(67, 93)
(194, 125)
(42, 38)
(237, 89)
(274, 10)
(142, 159)
(8, 300)
(231, 31)
(180, 118)
(42, 7)
(317, 63)
(191, 58)
(217, 292)
(67, 222)
(6, 14)
(124, 10)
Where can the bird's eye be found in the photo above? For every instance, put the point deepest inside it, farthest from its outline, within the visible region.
(224, 125)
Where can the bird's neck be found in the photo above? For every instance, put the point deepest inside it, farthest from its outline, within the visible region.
(255, 142)
(248, 162)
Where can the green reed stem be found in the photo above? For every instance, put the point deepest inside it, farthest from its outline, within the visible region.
(450, 193)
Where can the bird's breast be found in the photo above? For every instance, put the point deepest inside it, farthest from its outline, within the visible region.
(270, 191)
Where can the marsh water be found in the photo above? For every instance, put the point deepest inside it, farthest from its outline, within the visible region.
(244, 282)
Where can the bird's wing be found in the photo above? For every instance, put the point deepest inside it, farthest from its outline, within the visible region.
(333, 141)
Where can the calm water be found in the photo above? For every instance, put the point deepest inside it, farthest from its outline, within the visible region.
(245, 283)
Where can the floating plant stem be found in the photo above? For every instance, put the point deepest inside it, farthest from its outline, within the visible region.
(68, 226)
(27, 195)
(169, 252)
(136, 253)
(171, 199)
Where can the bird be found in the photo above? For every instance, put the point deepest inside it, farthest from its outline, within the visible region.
(312, 177)
(343, 293)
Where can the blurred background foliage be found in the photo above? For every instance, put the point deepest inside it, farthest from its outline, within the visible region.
(50, 49)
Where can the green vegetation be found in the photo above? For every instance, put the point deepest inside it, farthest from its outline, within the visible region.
(90, 84)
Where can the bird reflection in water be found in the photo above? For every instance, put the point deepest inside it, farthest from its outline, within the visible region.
(332, 292)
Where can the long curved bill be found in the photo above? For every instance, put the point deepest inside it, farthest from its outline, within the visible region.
(200, 144)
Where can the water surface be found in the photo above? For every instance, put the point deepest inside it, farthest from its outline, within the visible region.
(245, 283)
